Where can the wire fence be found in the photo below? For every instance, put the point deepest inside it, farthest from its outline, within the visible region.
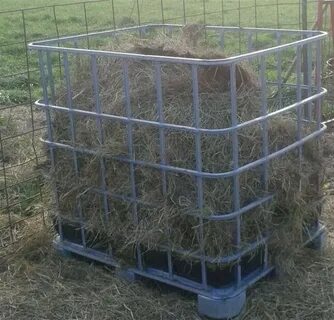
(23, 197)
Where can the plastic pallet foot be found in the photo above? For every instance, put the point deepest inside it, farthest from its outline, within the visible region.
(225, 308)
(319, 242)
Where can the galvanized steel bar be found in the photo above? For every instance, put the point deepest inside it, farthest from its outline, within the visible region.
(73, 141)
(235, 159)
(265, 144)
(162, 11)
(184, 11)
(279, 70)
(50, 77)
(237, 58)
(162, 147)
(318, 114)
(309, 81)
(49, 134)
(195, 173)
(199, 180)
(264, 123)
(186, 128)
(127, 100)
(299, 110)
(99, 125)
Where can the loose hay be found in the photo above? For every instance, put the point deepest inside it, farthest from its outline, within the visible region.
(38, 284)
(172, 217)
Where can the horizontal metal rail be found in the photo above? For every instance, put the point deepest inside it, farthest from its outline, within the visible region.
(46, 45)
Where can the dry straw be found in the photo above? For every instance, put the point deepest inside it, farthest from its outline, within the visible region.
(172, 218)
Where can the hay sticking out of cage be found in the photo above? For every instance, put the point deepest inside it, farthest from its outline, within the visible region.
(168, 212)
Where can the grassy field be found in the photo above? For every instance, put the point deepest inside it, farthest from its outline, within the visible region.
(17, 28)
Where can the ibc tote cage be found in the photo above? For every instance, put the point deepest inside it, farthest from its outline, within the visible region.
(251, 45)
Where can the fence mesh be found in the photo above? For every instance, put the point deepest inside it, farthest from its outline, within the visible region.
(23, 197)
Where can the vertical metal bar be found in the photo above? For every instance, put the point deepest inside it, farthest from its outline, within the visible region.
(86, 24)
(223, 13)
(162, 151)
(320, 15)
(239, 24)
(204, 19)
(327, 27)
(304, 14)
(299, 89)
(279, 70)
(113, 13)
(162, 12)
(199, 180)
(99, 124)
(50, 136)
(50, 78)
(299, 108)
(40, 191)
(204, 12)
(235, 158)
(305, 48)
(29, 87)
(127, 99)
(318, 113)
(73, 139)
(318, 83)
(184, 12)
(55, 20)
(10, 221)
(57, 32)
(331, 21)
(138, 13)
(264, 124)
(239, 13)
(309, 80)
(255, 21)
(277, 14)
(265, 144)
(300, 14)
(255, 14)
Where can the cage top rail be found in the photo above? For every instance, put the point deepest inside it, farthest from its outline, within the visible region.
(307, 36)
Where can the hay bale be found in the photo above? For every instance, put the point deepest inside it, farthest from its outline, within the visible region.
(173, 217)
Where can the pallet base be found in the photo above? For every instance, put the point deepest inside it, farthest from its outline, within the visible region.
(214, 307)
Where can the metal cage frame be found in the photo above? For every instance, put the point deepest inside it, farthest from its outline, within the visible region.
(214, 302)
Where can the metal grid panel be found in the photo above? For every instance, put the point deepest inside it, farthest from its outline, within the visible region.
(22, 154)
(306, 106)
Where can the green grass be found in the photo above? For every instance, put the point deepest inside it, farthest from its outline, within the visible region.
(47, 22)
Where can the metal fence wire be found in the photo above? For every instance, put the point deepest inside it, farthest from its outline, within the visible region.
(22, 125)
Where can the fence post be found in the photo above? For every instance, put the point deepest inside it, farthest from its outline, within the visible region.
(305, 27)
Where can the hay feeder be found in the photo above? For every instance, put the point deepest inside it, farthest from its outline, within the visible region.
(179, 153)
